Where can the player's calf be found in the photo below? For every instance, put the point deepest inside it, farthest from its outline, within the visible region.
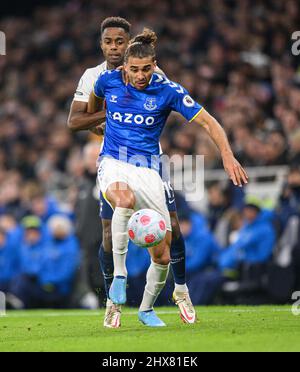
(106, 235)
(176, 233)
(122, 198)
(157, 273)
(161, 253)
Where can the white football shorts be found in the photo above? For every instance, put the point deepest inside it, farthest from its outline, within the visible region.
(146, 184)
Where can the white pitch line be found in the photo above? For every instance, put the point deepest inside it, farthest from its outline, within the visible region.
(58, 314)
(130, 313)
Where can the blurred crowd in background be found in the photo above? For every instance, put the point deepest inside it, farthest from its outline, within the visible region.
(235, 58)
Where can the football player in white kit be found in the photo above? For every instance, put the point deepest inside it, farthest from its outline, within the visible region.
(115, 35)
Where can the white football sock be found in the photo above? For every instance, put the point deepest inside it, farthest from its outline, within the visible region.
(120, 239)
(182, 288)
(156, 280)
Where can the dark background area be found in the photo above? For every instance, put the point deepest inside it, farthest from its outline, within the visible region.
(24, 8)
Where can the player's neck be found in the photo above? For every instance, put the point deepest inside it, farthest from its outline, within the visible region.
(110, 66)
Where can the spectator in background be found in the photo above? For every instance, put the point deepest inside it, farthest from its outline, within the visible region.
(9, 224)
(218, 205)
(49, 262)
(32, 246)
(294, 140)
(289, 202)
(224, 201)
(275, 149)
(254, 242)
(244, 264)
(9, 260)
(38, 203)
(287, 253)
(59, 262)
(10, 195)
(89, 231)
(201, 249)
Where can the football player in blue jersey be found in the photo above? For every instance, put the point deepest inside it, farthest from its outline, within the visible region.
(135, 116)
(114, 41)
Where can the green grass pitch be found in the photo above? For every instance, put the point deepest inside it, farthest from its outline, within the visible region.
(266, 328)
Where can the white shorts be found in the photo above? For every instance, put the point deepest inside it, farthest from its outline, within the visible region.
(146, 184)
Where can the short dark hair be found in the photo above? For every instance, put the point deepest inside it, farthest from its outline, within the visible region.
(116, 22)
(142, 45)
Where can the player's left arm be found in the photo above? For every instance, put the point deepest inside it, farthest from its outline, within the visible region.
(97, 104)
(232, 167)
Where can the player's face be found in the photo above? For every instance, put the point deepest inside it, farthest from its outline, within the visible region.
(140, 71)
(114, 42)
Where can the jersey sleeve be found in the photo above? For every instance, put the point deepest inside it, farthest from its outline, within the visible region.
(100, 84)
(183, 103)
(85, 87)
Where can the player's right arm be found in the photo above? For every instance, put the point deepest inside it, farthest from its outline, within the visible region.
(82, 117)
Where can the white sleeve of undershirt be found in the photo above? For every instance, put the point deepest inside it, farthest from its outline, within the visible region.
(85, 86)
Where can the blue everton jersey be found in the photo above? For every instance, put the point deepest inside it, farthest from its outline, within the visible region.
(135, 118)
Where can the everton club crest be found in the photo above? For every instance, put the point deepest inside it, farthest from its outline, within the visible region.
(150, 104)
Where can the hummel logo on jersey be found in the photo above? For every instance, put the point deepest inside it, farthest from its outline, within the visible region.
(113, 99)
(150, 104)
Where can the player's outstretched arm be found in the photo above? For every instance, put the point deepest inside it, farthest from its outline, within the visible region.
(232, 167)
(81, 119)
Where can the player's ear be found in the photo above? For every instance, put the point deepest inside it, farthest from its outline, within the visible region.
(125, 73)
(155, 64)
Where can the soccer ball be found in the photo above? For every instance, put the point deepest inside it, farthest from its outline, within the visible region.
(146, 228)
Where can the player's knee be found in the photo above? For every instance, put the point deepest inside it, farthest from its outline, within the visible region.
(163, 258)
(120, 195)
(126, 200)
